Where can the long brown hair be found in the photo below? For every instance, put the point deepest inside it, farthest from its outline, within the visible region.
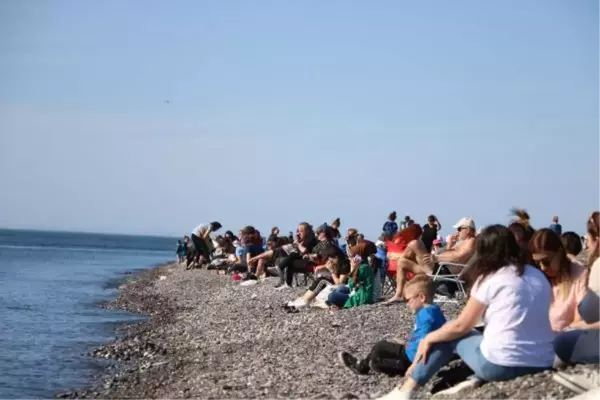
(364, 249)
(496, 247)
(547, 240)
(593, 229)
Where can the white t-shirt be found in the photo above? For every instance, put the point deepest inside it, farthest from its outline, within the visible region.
(517, 325)
(200, 230)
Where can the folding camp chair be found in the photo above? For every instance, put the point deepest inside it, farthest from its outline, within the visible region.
(457, 279)
(308, 276)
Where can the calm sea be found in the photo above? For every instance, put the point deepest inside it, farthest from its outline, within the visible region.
(50, 284)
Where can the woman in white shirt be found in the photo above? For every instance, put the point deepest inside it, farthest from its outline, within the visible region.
(513, 300)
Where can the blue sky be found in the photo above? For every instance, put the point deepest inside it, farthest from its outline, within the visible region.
(286, 111)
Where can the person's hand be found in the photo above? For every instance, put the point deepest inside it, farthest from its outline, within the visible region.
(422, 351)
(306, 256)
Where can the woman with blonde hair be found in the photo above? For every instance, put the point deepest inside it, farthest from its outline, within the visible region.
(568, 279)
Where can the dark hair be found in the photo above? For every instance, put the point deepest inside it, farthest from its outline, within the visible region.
(336, 223)
(215, 226)
(310, 233)
(250, 236)
(572, 243)
(332, 252)
(392, 216)
(273, 229)
(496, 247)
(431, 218)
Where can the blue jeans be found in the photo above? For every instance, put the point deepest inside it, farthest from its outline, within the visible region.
(578, 347)
(339, 296)
(469, 350)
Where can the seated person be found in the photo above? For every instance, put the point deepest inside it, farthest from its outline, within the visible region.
(413, 259)
(253, 246)
(359, 290)
(297, 260)
(334, 272)
(460, 247)
(395, 358)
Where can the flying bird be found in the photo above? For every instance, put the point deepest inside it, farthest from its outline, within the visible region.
(168, 101)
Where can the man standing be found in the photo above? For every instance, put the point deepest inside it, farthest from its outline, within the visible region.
(430, 231)
(201, 238)
(555, 226)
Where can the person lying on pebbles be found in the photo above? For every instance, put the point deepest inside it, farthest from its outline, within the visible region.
(395, 358)
(513, 300)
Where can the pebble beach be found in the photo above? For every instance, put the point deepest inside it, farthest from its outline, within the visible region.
(207, 337)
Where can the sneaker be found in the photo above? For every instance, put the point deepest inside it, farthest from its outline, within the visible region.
(283, 287)
(397, 394)
(350, 362)
(248, 283)
(471, 383)
(577, 383)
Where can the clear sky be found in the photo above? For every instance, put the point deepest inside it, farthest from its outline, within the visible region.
(284, 111)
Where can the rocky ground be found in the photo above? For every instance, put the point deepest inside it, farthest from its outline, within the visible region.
(210, 338)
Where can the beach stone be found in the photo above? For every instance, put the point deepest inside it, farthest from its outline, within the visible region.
(205, 339)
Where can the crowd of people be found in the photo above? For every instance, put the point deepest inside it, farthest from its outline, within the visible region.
(531, 302)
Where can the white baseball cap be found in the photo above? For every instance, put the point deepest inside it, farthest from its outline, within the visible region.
(465, 223)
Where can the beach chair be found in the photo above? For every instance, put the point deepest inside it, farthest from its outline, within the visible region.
(458, 279)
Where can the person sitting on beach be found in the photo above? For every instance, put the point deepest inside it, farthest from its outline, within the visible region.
(581, 346)
(573, 246)
(297, 261)
(407, 253)
(253, 246)
(513, 300)
(333, 273)
(461, 245)
(390, 227)
(395, 358)
(203, 242)
(351, 239)
(359, 290)
(568, 279)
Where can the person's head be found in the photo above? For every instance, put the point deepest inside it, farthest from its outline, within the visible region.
(410, 233)
(324, 232)
(555, 219)
(406, 218)
(466, 228)
(437, 243)
(336, 223)
(333, 255)
(418, 292)
(273, 241)
(351, 236)
(250, 235)
(592, 239)
(431, 220)
(305, 231)
(550, 256)
(220, 240)
(392, 216)
(572, 243)
(410, 222)
(380, 244)
(275, 231)
(229, 236)
(179, 242)
(496, 247)
(215, 226)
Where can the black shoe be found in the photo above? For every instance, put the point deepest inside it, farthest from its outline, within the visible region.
(351, 362)
(451, 377)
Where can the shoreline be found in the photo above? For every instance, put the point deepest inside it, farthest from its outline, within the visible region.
(207, 337)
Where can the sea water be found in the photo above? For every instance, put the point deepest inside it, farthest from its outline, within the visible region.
(50, 285)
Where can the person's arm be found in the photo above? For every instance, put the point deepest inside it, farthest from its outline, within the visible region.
(459, 255)
(266, 254)
(207, 233)
(339, 279)
(466, 321)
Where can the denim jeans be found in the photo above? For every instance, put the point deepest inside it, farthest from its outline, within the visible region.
(339, 296)
(578, 346)
(469, 350)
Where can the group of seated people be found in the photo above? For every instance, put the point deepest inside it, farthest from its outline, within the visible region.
(531, 296)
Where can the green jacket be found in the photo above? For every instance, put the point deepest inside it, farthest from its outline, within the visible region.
(364, 293)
